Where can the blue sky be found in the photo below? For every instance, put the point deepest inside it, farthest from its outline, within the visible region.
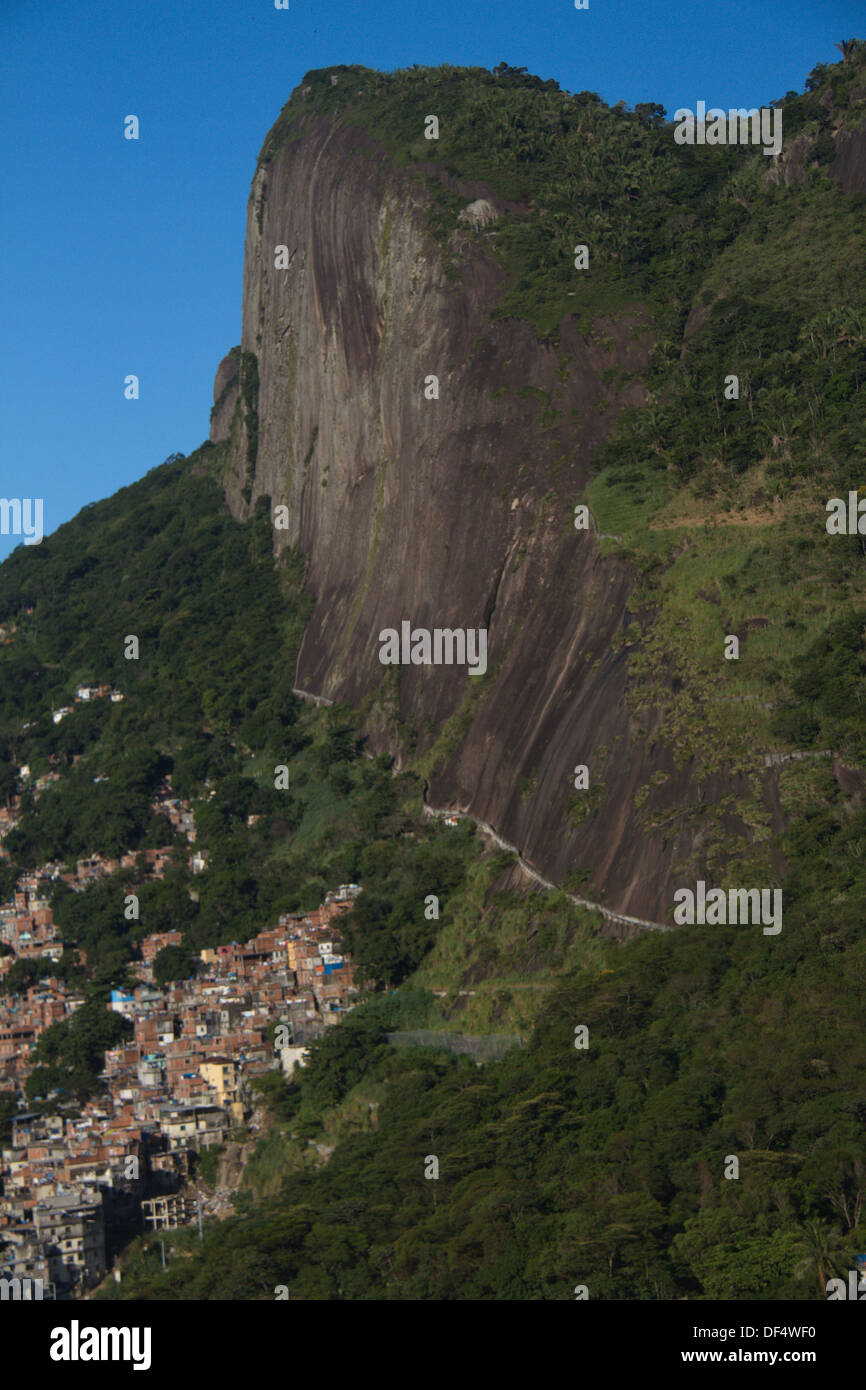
(126, 257)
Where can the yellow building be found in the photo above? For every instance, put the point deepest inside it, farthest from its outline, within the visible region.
(221, 1074)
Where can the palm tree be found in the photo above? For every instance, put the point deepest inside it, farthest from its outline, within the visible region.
(848, 48)
(849, 326)
(823, 1250)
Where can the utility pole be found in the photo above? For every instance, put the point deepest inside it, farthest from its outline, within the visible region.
(162, 1248)
(198, 1206)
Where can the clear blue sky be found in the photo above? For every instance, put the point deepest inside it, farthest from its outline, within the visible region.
(126, 257)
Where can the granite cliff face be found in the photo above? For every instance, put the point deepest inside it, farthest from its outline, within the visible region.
(453, 512)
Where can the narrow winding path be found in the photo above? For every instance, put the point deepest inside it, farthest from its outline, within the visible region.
(770, 760)
(535, 875)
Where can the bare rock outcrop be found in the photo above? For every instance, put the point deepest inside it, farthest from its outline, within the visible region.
(225, 396)
(452, 510)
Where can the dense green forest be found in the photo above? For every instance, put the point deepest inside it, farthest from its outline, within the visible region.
(559, 1165)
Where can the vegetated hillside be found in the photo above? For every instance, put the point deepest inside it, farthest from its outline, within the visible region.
(208, 703)
(606, 1166)
(408, 257)
(558, 1166)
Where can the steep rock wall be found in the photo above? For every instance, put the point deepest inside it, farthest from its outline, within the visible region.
(454, 512)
